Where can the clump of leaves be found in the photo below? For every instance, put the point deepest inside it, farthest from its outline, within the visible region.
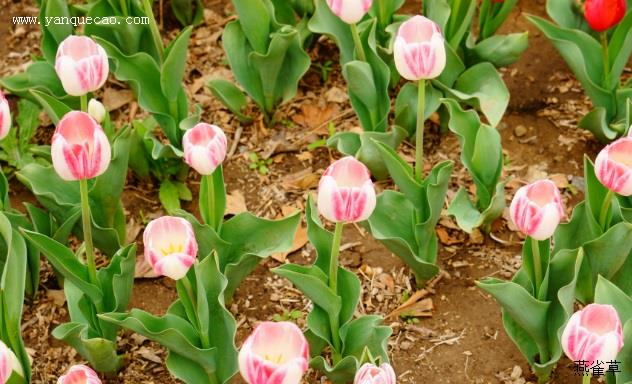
(16, 148)
(323, 142)
(259, 164)
(288, 315)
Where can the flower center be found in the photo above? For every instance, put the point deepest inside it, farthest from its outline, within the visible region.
(276, 359)
(179, 248)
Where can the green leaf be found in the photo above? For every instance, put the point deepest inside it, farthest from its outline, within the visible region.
(169, 196)
(174, 65)
(366, 332)
(185, 13)
(66, 263)
(54, 108)
(40, 76)
(501, 50)
(482, 87)
(468, 216)
(406, 107)
(343, 372)
(101, 353)
(231, 96)
(255, 22)
(621, 46)
(53, 33)
(402, 174)
(313, 283)
(325, 22)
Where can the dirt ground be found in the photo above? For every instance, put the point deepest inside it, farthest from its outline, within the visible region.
(458, 336)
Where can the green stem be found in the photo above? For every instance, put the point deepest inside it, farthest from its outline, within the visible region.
(84, 102)
(210, 198)
(358, 42)
(419, 137)
(333, 285)
(381, 11)
(87, 231)
(153, 27)
(605, 207)
(605, 57)
(586, 379)
(537, 264)
(173, 109)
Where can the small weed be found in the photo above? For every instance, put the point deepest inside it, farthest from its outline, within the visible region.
(260, 165)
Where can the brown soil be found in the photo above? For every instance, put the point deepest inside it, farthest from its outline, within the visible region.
(463, 340)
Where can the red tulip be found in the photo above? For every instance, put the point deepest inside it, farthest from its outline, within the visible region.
(80, 149)
(601, 15)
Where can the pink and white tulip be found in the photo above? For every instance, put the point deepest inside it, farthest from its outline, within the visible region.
(79, 374)
(613, 166)
(346, 192)
(593, 334)
(5, 116)
(275, 353)
(537, 209)
(80, 149)
(204, 147)
(9, 363)
(81, 64)
(350, 11)
(372, 374)
(419, 49)
(170, 246)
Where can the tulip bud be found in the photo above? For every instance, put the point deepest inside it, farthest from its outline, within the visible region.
(9, 363)
(170, 246)
(372, 374)
(80, 149)
(274, 353)
(350, 11)
(613, 166)
(96, 110)
(346, 192)
(81, 64)
(537, 209)
(5, 116)
(593, 334)
(419, 49)
(79, 374)
(601, 15)
(204, 148)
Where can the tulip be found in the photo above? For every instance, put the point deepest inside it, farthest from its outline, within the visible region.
(537, 209)
(204, 148)
(601, 15)
(274, 353)
(79, 374)
(5, 116)
(80, 149)
(9, 363)
(593, 334)
(170, 246)
(350, 11)
(372, 374)
(96, 110)
(419, 49)
(81, 64)
(346, 192)
(613, 166)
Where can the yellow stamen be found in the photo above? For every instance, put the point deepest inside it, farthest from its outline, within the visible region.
(179, 248)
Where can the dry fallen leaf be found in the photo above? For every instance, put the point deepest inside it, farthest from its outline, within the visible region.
(143, 269)
(114, 99)
(301, 180)
(312, 116)
(445, 238)
(235, 203)
(57, 295)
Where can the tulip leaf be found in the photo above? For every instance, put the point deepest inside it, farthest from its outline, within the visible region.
(265, 238)
(621, 46)
(596, 121)
(564, 13)
(173, 67)
(582, 54)
(254, 20)
(463, 16)
(54, 108)
(117, 279)
(66, 263)
(320, 238)
(362, 146)
(468, 217)
(341, 373)
(183, 11)
(366, 332)
(53, 33)
(482, 87)
(313, 283)
(169, 196)
(40, 76)
(325, 22)
(406, 108)
(501, 50)
(101, 353)
(402, 174)
(231, 96)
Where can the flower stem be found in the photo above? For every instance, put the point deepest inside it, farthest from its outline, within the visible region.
(83, 99)
(192, 298)
(210, 198)
(605, 56)
(419, 137)
(453, 16)
(333, 285)
(586, 379)
(153, 27)
(87, 231)
(537, 264)
(358, 42)
(605, 206)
